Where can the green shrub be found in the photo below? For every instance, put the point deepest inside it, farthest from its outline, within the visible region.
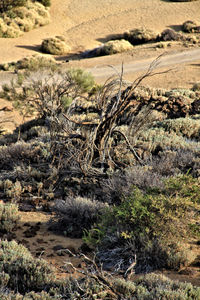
(63, 87)
(151, 223)
(25, 272)
(84, 80)
(8, 217)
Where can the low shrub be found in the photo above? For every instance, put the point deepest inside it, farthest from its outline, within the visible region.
(28, 296)
(25, 272)
(76, 215)
(8, 217)
(55, 46)
(140, 36)
(186, 127)
(32, 63)
(170, 35)
(153, 286)
(196, 86)
(112, 47)
(191, 26)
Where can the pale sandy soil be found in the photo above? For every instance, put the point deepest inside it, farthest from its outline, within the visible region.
(87, 23)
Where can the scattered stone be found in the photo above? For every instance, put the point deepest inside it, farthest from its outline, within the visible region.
(40, 249)
(25, 242)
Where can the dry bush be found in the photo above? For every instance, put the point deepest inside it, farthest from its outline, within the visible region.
(27, 296)
(76, 215)
(32, 63)
(170, 35)
(191, 26)
(140, 36)
(55, 46)
(113, 47)
(15, 22)
(196, 87)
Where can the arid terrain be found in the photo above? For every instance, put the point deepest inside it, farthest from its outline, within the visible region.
(86, 24)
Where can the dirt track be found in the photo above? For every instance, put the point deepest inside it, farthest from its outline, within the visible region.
(165, 61)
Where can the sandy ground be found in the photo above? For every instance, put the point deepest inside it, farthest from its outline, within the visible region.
(33, 233)
(88, 23)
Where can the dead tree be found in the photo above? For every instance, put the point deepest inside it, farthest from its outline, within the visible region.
(112, 101)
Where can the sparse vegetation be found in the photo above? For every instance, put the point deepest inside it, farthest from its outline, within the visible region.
(117, 164)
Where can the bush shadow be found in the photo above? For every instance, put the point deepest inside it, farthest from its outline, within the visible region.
(111, 37)
(34, 48)
(175, 27)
